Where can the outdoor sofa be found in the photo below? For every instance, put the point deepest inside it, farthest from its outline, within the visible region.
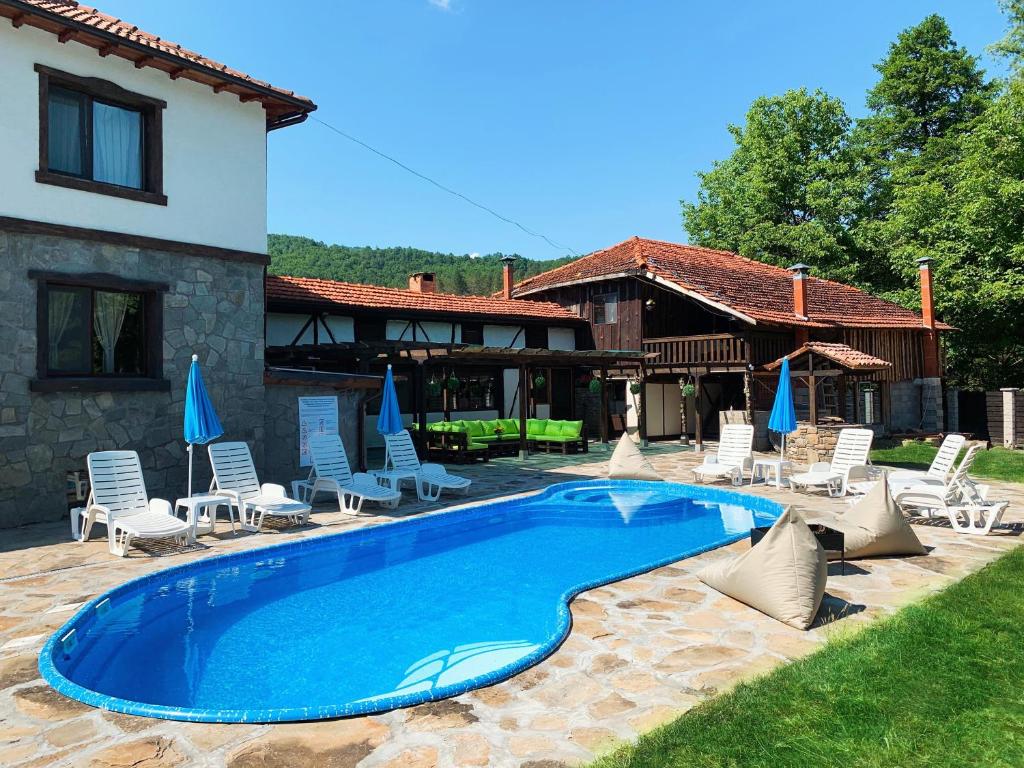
(467, 439)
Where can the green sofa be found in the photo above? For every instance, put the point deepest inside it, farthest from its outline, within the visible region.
(498, 434)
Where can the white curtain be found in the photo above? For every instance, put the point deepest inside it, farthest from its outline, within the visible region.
(117, 145)
(64, 137)
(61, 303)
(108, 315)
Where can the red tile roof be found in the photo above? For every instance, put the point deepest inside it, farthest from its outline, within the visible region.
(308, 290)
(844, 355)
(93, 27)
(760, 291)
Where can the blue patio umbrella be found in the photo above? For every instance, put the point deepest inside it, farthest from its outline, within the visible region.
(783, 418)
(201, 422)
(390, 420)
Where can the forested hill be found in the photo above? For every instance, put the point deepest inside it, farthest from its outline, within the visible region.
(304, 257)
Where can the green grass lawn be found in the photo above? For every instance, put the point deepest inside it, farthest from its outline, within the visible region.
(938, 684)
(995, 464)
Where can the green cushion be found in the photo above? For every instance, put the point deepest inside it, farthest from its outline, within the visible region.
(510, 425)
(488, 438)
(488, 426)
(553, 428)
(572, 428)
(536, 426)
(457, 426)
(474, 446)
(557, 438)
(474, 427)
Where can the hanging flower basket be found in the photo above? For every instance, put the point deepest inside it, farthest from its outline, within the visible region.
(687, 390)
(433, 388)
(595, 386)
(453, 382)
(539, 382)
(634, 387)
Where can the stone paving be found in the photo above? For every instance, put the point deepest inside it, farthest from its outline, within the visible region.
(641, 651)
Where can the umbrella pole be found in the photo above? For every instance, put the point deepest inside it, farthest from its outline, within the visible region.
(190, 469)
(783, 447)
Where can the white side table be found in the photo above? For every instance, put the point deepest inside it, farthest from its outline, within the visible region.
(196, 506)
(764, 470)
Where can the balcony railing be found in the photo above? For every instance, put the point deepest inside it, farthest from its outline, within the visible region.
(710, 349)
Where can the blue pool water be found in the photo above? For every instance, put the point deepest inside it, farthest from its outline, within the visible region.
(381, 617)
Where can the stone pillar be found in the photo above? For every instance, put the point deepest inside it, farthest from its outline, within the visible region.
(931, 404)
(1010, 436)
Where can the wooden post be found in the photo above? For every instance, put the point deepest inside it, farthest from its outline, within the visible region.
(698, 402)
(843, 411)
(419, 387)
(572, 392)
(523, 448)
(446, 401)
(642, 420)
(604, 406)
(812, 388)
(748, 394)
(857, 403)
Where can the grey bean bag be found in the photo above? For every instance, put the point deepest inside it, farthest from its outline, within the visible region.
(627, 463)
(873, 527)
(782, 576)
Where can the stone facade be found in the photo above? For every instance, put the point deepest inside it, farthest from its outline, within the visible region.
(214, 308)
(932, 417)
(281, 453)
(812, 443)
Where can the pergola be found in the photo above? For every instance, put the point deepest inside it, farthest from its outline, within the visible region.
(426, 356)
(816, 360)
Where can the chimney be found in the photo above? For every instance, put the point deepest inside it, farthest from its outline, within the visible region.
(421, 282)
(930, 368)
(508, 281)
(800, 273)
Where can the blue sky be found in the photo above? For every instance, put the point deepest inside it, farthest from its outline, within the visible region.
(585, 120)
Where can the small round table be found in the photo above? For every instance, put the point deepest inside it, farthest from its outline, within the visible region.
(195, 506)
(764, 469)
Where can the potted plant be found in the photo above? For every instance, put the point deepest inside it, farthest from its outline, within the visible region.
(433, 388)
(539, 382)
(634, 386)
(595, 386)
(453, 383)
(686, 391)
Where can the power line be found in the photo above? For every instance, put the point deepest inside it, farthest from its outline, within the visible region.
(442, 187)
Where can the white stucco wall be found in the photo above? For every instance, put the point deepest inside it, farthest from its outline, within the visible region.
(504, 336)
(562, 339)
(214, 157)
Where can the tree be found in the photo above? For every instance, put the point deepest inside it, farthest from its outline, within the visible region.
(1011, 47)
(787, 191)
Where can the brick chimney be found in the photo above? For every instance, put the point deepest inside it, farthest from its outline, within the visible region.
(930, 343)
(421, 282)
(800, 274)
(508, 280)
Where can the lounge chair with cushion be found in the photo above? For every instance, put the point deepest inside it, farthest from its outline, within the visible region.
(119, 500)
(734, 457)
(849, 461)
(401, 464)
(234, 476)
(331, 474)
(939, 470)
(960, 499)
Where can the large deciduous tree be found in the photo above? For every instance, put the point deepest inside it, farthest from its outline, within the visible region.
(785, 193)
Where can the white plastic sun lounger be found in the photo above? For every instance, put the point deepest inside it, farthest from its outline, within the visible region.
(960, 499)
(939, 470)
(235, 476)
(401, 463)
(331, 474)
(119, 499)
(849, 460)
(734, 457)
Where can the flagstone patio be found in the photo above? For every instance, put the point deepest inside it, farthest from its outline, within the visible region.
(641, 651)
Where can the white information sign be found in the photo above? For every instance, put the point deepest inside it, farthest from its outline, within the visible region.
(317, 416)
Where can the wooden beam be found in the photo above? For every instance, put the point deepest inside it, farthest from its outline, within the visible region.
(642, 421)
(604, 406)
(106, 50)
(245, 98)
(176, 73)
(522, 394)
(17, 20)
(145, 61)
(698, 408)
(66, 34)
(222, 86)
(812, 389)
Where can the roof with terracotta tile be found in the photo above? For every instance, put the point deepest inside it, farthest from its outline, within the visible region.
(844, 355)
(758, 291)
(307, 290)
(114, 36)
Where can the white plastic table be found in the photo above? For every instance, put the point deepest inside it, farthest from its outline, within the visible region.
(195, 506)
(764, 469)
(393, 478)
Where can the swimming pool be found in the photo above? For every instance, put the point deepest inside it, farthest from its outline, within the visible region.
(384, 616)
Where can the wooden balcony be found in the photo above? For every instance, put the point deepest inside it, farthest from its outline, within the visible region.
(715, 350)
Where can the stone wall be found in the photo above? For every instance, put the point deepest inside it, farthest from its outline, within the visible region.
(904, 406)
(214, 308)
(281, 453)
(932, 415)
(811, 443)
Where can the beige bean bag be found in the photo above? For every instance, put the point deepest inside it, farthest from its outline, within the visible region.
(627, 463)
(873, 527)
(782, 576)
